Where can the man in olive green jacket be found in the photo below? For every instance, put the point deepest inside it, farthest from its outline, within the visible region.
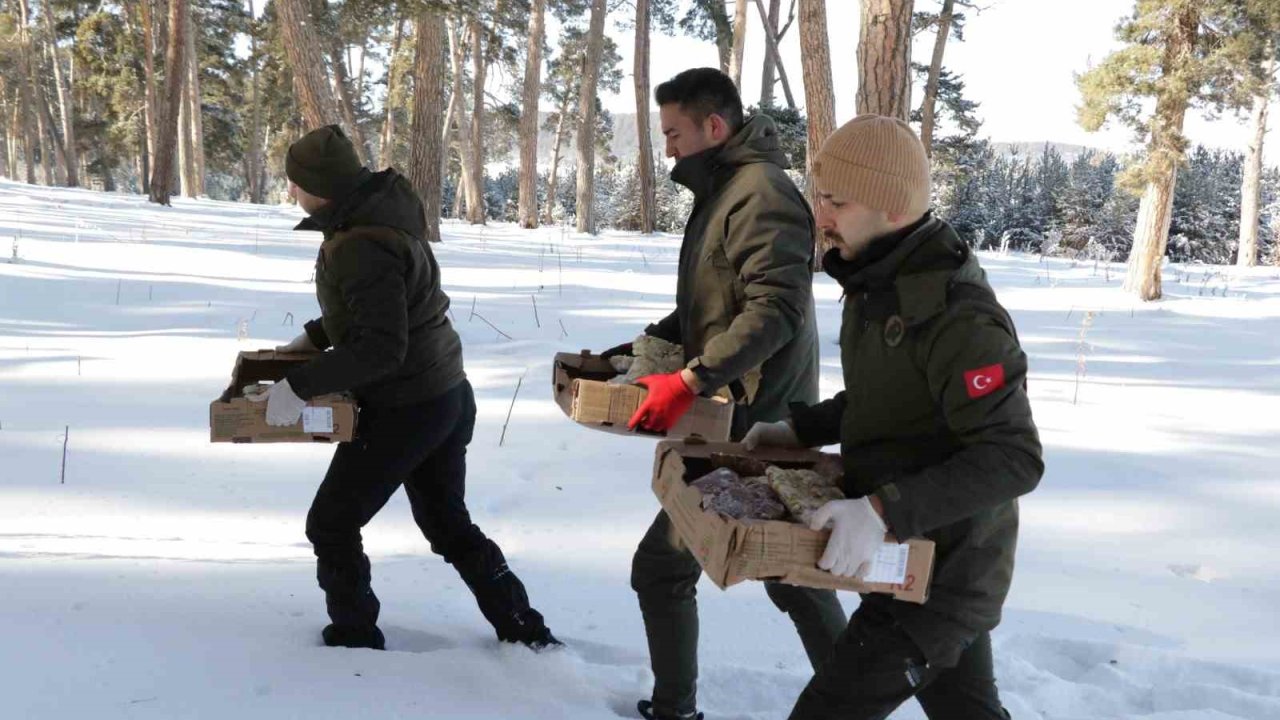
(935, 431)
(744, 316)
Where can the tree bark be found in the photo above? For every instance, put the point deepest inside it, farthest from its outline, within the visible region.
(346, 103)
(935, 71)
(254, 167)
(528, 205)
(310, 79)
(25, 120)
(479, 64)
(819, 97)
(6, 133)
(769, 74)
(149, 105)
(188, 114)
(585, 205)
(884, 58)
(739, 40)
(52, 160)
(70, 151)
(1251, 190)
(772, 44)
(1151, 235)
(471, 186)
(195, 116)
(552, 188)
(386, 144)
(648, 185)
(428, 90)
(175, 55)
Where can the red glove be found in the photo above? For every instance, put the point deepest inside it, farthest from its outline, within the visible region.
(668, 400)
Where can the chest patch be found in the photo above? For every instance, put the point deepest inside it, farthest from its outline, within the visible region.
(894, 330)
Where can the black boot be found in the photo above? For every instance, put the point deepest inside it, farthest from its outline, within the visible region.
(354, 636)
(648, 713)
(502, 598)
(537, 637)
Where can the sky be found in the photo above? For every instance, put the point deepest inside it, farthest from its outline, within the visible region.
(1018, 61)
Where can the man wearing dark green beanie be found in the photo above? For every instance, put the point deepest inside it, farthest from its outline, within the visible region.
(384, 336)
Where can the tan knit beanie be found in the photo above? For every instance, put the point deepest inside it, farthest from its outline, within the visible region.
(878, 162)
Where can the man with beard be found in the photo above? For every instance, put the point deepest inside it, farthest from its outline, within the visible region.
(935, 433)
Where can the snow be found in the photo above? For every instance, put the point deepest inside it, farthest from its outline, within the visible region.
(170, 578)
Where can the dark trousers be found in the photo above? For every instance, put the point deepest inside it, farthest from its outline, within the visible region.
(876, 667)
(665, 575)
(424, 448)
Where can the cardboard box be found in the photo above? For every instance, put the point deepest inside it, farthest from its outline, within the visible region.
(232, 418)
(579, 382)
(731, 551)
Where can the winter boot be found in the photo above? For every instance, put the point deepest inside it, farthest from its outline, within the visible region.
(648, 713)
(354, 636)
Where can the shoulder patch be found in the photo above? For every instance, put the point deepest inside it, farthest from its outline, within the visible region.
(984, 380)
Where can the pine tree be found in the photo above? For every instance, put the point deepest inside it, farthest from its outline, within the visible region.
(1181, 53)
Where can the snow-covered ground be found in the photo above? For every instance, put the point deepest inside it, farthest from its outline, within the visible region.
(169, 577)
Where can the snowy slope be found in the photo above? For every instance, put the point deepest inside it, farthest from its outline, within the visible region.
(170, 578)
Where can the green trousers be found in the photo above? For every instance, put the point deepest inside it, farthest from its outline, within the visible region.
(665, 575)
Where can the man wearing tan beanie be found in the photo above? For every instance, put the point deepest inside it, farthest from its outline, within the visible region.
(935, 432)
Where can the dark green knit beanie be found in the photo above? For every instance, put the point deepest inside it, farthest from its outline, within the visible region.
(324, 163)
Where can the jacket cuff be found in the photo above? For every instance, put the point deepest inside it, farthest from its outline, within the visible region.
(897, 514)
(300, 382)
(317, 335)
(809, 424)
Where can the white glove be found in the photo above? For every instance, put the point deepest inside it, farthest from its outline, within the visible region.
(771, 434)
(300, 344)
(284, 407)
(856, 535)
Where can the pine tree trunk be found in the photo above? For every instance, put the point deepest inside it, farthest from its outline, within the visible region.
(585, 206)
(1155, 211)
(66, 111)
(386, 144)
(769, 75)
(739, 41)
(935, 70)
(819, 97)
(346, 103)
(455, 92)
(884, 58)
(425, 133)
(456, 117)
(150, 93)
(44, 126)
(475, 210)
(1251, 190)
(142, 159)
(6, 133)
(724, 34)
(175, 56)
(648, 185)
(35, 99)
(552, 188)
(254, 180)
(458, 198)
(197, 108)
(26, 102)
(310, 80)
(186, 156)
(528, 204)
(25, 120)
(771, 42)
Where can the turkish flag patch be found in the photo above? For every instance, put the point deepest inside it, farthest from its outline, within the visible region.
(984, 381)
